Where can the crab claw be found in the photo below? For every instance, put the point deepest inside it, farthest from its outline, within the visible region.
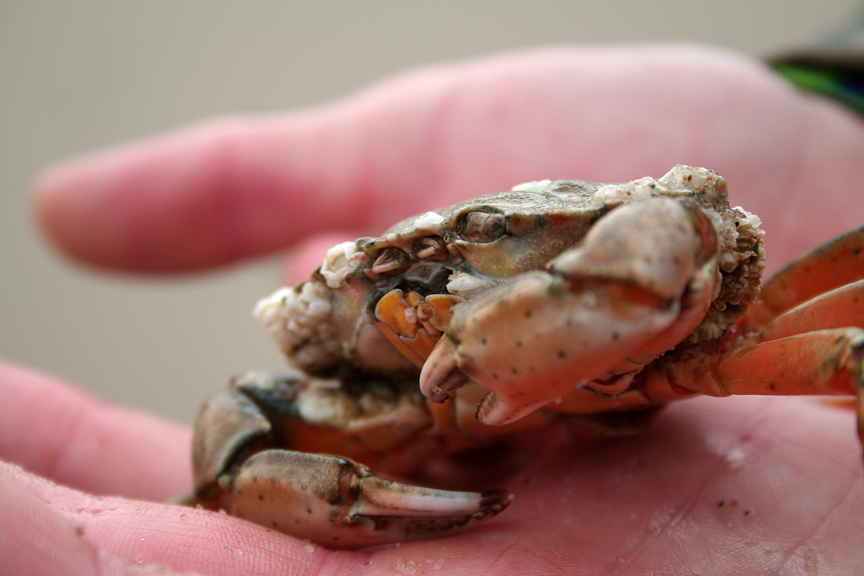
(597, 313)
(339, 503)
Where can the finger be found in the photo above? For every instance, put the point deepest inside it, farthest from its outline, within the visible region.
(35, 539)
(67, 435)
(238, 187)
(49, 529)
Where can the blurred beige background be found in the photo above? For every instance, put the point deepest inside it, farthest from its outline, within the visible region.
(80, 75)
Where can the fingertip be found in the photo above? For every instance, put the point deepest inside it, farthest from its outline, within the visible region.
(51, 208)
(203, 196)
(146, 206)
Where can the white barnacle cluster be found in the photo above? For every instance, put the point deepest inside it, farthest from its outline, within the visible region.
(297, 319)
(747, 274)
(538, 186)
(614, 194)
(703, 180)
(741, 261)
(340, 260)
(428, 220)
(741, 237)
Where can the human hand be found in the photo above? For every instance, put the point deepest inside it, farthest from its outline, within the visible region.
(733, 486)
(714, 487)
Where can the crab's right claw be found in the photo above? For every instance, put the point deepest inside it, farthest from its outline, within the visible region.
(598, 312)
(338, 503)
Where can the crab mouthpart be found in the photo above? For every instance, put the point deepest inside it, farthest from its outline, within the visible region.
(441, 375)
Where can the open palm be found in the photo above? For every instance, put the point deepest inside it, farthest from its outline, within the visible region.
(734, 486)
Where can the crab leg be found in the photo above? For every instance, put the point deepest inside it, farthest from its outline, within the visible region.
(832, 264)
(327, 499)
(837, 308)
(818, 362)
(599, 311)
(813, 363)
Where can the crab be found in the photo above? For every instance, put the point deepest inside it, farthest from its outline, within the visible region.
(567, 302)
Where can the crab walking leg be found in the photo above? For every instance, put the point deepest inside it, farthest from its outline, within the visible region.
(329, 500)
(600, 311)
(829, 362)
(833, 264)
(838, 308)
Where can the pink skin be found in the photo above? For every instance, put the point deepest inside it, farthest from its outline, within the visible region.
(743, 485)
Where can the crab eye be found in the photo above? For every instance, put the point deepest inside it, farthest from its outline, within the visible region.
(481, 227)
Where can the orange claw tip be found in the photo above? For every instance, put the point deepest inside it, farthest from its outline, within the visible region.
(441, 376)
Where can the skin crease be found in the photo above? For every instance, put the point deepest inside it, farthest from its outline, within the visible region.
(740, 485)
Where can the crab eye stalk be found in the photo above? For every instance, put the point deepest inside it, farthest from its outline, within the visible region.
(480, 227)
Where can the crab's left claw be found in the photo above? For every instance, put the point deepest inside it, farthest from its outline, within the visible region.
(329, 500)
(339, 503)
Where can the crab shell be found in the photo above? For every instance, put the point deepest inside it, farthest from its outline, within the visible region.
(342, 321)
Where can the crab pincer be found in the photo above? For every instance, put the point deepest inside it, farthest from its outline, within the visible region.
(597, 312)
(329, 500)
(339, 503)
